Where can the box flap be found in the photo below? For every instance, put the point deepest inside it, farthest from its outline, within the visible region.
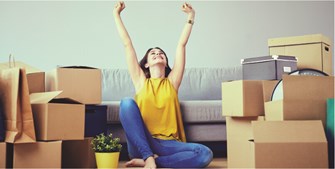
(288, 131)
(293, 40)
(44, 97)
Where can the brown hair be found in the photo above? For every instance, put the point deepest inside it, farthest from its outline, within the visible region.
(144, 60)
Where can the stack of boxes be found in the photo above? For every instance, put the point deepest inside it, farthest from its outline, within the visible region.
(63, 133)
(285, 133)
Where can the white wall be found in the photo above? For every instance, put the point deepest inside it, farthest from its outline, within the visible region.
(49, 33)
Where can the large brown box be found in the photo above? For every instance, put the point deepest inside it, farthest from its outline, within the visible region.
(38, 155)
(312, 51)
(242, 98)
(289, 144)
(268, 67)
(305, 98)
(78, 154)
(79, 83)
(35, 77)
(57, 119)
(239, 150)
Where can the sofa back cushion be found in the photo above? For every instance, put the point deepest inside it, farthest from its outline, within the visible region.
(197, 83)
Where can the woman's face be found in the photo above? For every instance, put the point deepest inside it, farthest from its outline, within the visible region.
(156, 56)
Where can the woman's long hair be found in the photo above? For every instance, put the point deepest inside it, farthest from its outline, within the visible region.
(144, 60)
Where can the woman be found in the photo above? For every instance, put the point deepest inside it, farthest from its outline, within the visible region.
(152, 122)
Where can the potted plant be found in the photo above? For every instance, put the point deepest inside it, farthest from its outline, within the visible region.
(107, 150)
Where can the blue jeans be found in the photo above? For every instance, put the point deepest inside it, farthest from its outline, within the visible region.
(171, 153)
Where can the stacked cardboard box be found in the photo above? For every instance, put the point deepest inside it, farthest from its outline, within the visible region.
(59, 119)
(285, 133)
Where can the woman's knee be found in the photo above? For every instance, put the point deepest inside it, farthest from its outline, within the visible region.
(127, 106)
(205, 156)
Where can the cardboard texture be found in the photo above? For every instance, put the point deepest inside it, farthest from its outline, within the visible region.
(3, 151)
(57, 119)
(242, 98)
(38, 155)
(268, 67)
(268, 87)
(289, 144)
(330, 130)
(304, 99)
(95, 120)
(239, 150)
(80, 83)
(14, 96)
(35, 77)
(312, 51)
(78, 154)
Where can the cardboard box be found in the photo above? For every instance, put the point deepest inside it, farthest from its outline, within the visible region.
(268, 87)
(6, 155)
(80, 83)
(38, 155)
(304, 99)
(239, 150)
(78, 154)
(242, 98)
(57, 119)
(312, 51)
(289, 144)
(95, 120)
(268, 67)
(36, 77)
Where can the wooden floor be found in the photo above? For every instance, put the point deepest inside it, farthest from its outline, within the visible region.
(216, 163)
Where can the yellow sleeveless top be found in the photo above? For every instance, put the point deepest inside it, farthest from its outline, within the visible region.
(160, 109)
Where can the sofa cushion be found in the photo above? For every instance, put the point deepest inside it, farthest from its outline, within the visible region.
(197, 83)
(207, 111)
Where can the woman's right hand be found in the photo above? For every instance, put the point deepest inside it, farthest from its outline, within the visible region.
(119, 6)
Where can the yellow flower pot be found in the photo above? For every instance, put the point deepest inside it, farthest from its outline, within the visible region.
(107, 160)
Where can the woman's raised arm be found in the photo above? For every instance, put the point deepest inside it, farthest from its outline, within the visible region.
(177, 71)
(135, 71)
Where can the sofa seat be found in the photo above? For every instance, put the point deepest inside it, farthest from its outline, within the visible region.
(203, 120)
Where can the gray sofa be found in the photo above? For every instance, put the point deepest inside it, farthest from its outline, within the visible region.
(199, 96)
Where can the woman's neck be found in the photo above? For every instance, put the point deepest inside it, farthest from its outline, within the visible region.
(157, 71)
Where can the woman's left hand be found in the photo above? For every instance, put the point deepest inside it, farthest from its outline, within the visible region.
(187, 8)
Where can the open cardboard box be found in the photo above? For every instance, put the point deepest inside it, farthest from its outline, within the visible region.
(57, 119)
(78, 82)
(304, 98)
(242, 98)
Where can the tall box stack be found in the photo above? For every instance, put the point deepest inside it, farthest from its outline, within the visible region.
(262, 132)
(313, 51)
(60, 123)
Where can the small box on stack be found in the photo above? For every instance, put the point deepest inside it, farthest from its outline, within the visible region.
(242, 98)
(80, 83)
(313, 51)
(268, 67)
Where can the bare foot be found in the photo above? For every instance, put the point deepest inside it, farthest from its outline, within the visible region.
(150, 163)
(136, 162)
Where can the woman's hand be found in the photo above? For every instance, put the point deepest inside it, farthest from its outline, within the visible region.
(187, 8)
(119, 6)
